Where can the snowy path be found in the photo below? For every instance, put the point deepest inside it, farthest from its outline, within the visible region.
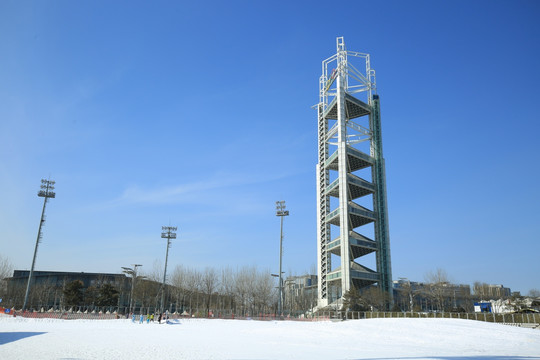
(380, 339)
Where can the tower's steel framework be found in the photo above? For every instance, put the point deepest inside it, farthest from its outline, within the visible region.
(350, 172)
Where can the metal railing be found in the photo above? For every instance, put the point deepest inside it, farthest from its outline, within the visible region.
(518, 319)
(510, 318)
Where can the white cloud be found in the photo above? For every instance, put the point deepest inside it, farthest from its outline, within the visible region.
(194, 191)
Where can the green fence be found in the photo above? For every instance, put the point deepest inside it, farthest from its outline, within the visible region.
(530, 318)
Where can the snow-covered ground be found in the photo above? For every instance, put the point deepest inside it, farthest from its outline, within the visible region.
(410, 339)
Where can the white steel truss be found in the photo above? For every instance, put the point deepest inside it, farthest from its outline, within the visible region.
(349, 150)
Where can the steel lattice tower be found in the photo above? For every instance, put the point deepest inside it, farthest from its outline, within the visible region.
(350, 174)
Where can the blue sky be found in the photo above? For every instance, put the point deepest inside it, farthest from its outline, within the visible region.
(198, 115)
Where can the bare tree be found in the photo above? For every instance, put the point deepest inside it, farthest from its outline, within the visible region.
(15, 295)
(43, 293)
(227, 287)
(178, 280)
(156, 274)
(209, 285)
(263, 295)
(6, 267)
(6, 271)
(437, 285)
(193, 285)
(304, 301)
(407, 294)
(147, 287)
(244, 288)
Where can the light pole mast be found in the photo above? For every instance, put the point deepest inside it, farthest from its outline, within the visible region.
(169, 233)
(46, 192)
(281, 212)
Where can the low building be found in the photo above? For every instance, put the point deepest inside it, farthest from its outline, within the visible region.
(428, 297)
(47, 287)
(491, 291)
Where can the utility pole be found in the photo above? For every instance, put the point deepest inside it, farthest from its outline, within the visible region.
(169, 233)
(280, 211)
(46, 192)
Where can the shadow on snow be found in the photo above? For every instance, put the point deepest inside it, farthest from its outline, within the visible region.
(7, 337)
(481, 357)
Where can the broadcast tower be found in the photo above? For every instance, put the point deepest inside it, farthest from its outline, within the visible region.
(352, 216)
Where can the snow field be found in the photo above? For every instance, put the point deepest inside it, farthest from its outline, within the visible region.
(410, 339)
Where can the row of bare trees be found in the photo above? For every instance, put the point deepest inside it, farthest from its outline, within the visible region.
(437, 293)
(242, 291)
(206, 292)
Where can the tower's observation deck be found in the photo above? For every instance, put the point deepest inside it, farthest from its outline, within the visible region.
(351, 184)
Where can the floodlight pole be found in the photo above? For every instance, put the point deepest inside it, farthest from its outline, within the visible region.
(169, 233)
(280, 211)
(46, 192)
